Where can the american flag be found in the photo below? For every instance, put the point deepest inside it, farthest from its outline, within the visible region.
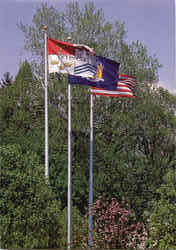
(125, 88)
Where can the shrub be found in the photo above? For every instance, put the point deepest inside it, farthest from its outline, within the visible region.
(115, 226)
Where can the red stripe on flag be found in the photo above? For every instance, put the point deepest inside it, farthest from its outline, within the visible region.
(114, 95)
(126, 76)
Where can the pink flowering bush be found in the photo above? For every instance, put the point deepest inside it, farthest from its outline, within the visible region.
(114, 226)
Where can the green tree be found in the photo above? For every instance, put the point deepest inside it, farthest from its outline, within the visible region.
(85, 25)
(29, 213)
(162, 221)
(134, 146)
(21, 106)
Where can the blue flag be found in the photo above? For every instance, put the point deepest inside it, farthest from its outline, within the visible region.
(96, 71)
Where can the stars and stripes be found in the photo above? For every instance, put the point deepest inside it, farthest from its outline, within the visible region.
(125, 88)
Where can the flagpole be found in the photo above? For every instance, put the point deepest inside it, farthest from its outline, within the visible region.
(174, 52)
(69, 171)
(45, 28)
(69, 196)
(90, 241)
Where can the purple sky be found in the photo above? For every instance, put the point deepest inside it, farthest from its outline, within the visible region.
(149, 21)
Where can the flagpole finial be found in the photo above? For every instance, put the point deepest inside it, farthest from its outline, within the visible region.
(45, 28)
(69, 38)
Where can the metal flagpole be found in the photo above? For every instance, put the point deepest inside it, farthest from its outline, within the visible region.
(69, 197)
(69, 171)
(91, 172)
(45, 28)
(174, 52)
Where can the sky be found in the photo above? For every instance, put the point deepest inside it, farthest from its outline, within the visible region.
(149, 21)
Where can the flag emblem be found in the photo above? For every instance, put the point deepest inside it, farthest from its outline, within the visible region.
(99, 73)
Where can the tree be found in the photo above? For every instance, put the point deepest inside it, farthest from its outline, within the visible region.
(29, 212)
(21, 106)
(128, 155)
(162, 222)
(85, 25)
(134, 146)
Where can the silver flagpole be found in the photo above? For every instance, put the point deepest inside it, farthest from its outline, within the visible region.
(69, 197)
(69, 171)
(45, 28)
(174, 52)
(90, 242)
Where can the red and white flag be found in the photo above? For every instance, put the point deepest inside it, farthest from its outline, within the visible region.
(68, 58)
(125, 88)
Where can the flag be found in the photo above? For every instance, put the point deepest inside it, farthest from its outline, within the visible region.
(124, 88)
(105, 74)
(82, 65)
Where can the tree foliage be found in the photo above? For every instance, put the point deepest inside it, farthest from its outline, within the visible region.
(29, 212)
(162, 222)
(21, 105)
(88, 25)
(134, 145)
